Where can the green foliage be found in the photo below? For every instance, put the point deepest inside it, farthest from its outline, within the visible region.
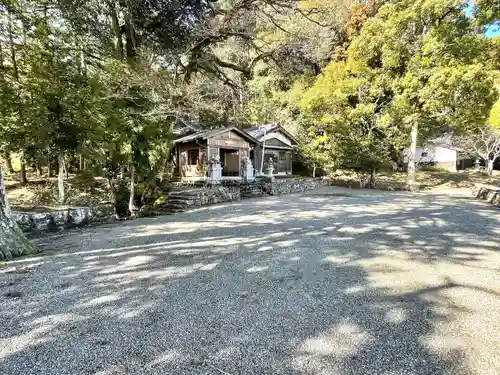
(413, 62)
(494, 117)
(434, 168)
(487, 12)
(343, 124)
(110, 80)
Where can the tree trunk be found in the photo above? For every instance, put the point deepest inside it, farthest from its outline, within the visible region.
(116, 30)
(412, 159)
(371, 181)
(60, 178)
(81, 163)
(8, 163)
(314, 171)
(66, 168)
(130, 36)
(22, 174)
(13, 242)
(489, 166)
(131, 205)
(50, 170)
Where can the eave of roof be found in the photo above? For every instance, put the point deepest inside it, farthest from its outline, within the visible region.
(213, 133)
(261, 130)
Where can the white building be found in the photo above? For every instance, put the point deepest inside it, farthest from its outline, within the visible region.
(438, 152)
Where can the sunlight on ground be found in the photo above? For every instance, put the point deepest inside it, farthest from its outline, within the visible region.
(330, 282)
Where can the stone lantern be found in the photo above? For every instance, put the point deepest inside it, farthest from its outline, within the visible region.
(214, 170)
(248, 170)
(270, 168)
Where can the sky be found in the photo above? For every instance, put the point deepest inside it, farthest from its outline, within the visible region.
(490, 31)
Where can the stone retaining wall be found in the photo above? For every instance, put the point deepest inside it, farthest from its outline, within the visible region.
(178, 200)
(54, 220)
(489, 193)
(292, 185)
(183, 199)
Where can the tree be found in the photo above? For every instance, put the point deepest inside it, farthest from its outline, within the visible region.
(303, 40)
(345, 122)
(13, 243)
(483, 142)
(414, 67)
(435, 59)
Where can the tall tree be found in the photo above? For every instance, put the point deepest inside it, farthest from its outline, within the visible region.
(414, 67)
(13, 243)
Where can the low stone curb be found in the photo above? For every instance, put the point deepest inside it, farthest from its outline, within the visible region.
(63, 218)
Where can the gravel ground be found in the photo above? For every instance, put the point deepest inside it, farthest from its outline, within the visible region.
(332, 281)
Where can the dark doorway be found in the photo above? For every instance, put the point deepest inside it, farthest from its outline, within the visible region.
(230, 161)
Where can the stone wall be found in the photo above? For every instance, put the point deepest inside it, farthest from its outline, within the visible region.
(182, 199)
(292, 185)
(36, 221)
(489, 193)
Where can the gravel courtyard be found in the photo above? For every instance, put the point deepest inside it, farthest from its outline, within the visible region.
(332, 281)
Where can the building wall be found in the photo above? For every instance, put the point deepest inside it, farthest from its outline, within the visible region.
(439, 155)
(229, 140)
(208, 149)
(445, 155)
(278, 135)
(257, 160)
(187, 170)
(232, 162)
(279, 164)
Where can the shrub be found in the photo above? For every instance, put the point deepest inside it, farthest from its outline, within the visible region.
(434, 168)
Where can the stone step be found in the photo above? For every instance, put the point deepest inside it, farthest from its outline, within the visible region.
(183, 202)
(184, 194)
(180, 196)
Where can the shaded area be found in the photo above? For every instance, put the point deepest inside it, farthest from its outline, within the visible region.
(329, 281)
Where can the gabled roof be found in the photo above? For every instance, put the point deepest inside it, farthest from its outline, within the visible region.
(213, 133)
(258, 132)
(444, 140)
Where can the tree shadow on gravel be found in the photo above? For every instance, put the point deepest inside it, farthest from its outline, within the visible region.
(309, 284)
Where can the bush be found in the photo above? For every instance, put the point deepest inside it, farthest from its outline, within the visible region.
(433, 168)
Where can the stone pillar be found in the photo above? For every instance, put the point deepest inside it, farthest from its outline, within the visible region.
(214, 170)
(248, 170)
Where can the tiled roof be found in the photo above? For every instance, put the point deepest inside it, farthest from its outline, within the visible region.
(259, 131)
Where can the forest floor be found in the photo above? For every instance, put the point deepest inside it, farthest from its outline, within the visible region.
(41, 193)
(330, 281)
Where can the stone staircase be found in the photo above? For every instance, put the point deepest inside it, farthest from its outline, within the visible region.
(181, 199)
(250, 190)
